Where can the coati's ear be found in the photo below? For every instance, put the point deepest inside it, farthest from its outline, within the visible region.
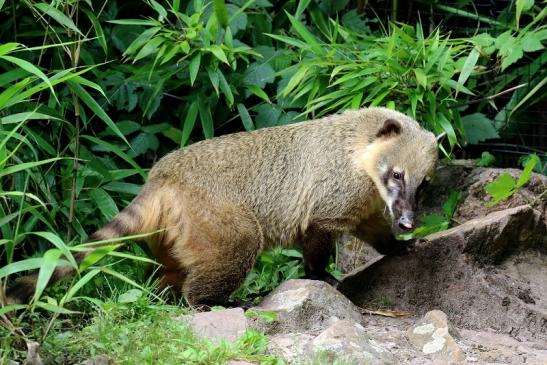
(391, 126)
(441, 137)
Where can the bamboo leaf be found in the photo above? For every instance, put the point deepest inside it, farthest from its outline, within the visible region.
(25, 166)
(58, 16)
(245, 117)
(79, 284)
(206, 120)
(467, 68)
(60, 244)
(259, 92)
(104, 201)
(29, 67)
(218, 52)
(22, 265)
(51, 258)
(193, 68)
(117, 151)
(95, 107)
(308, 37)
(189, 123)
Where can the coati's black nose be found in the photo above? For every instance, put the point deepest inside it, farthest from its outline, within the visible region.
(405, 223)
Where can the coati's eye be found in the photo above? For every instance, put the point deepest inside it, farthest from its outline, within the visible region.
(397, 175)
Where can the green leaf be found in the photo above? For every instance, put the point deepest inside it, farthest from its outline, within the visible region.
(29, 67)
(130, 296)
(421, 77)
(23, 116)
(501, 188)
(96, 255)
(266, 315)
(245, 117)
(531, 42)
(189, 122)
(193, 68)
(206, 119)
(22, 265)
(58, 16)
(25, 166)
(259, 74)
(79, 284)
(218, 52)
(308, 37)
(478, 128)
(51, 258)
(95, 108)
(468, 67)
(60, 244)
(110, 147)
(104, 201)
(54, 308)
(528, 168)
(98, 30)
(214, 78)
(487, 159)
(221, 12)
(259, 92)
(226, 89)
(449, 206)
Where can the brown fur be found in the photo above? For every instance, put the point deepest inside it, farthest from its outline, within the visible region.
(220, 202)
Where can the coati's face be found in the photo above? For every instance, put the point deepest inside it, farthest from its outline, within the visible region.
(401, 160)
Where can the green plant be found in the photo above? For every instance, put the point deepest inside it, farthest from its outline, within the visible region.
(505, 185)
(487, 159)
(402, 69)
(272, 268)
(432, 223)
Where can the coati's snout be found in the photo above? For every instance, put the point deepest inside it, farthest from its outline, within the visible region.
(401, 199)
(401, 161)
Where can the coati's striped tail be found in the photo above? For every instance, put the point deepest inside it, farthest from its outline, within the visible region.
(127, 222)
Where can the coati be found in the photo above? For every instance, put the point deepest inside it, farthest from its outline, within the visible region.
(219, 202)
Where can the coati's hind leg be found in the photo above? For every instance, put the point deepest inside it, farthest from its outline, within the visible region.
(221, 242)
(317, 246)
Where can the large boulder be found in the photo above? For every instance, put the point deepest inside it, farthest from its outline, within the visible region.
(489, 272)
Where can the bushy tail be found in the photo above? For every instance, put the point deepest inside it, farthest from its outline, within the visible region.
(129, 221)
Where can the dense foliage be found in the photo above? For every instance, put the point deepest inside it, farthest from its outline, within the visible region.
(93, 92)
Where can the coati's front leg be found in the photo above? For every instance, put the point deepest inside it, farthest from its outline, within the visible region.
(317, 246)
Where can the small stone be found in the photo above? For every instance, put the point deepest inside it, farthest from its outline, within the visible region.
(505, 301)
(431, 336)
(347, 340)
(226, 324)
(305, 305)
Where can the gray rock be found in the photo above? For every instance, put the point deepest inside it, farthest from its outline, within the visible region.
(305, 305)
(347, 340)
(290, 346)
(226, 324)
(432, 337)
(489, 272)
